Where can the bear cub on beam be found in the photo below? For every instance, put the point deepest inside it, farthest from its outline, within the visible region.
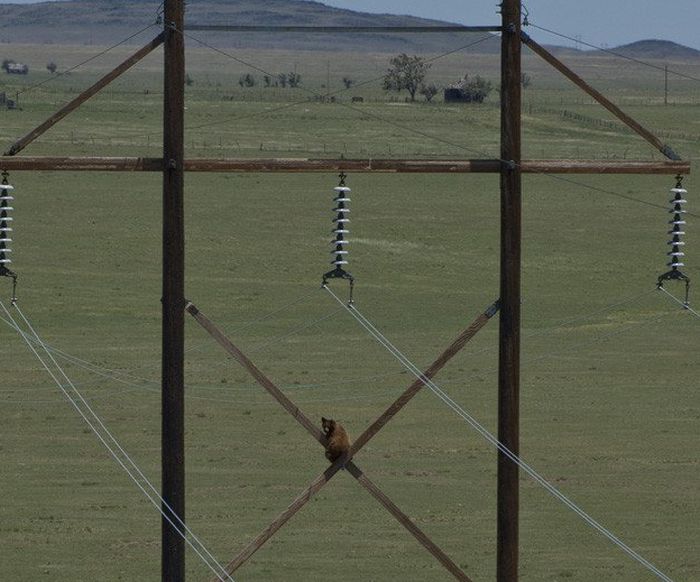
(338, 442)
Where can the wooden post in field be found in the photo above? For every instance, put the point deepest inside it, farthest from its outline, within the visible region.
(172, 435)
(509, 330)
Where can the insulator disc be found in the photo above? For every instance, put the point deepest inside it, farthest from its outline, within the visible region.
(680, 243)
(677, 211)
(339, 262)
(5, 229)
(679, 190)
(678, 201)
(6, 187)
(5, 240)
(341, 210)
(342, 189)
(5, 218)
(676, 222)
(5, 261)
(8, 208)
(339, 252)
(675, 264)
(9, 198)
(340, 231)
(341, 220)
(676, 254)
(340, 242)
(678, 232)
(5, 250)
(341, 199)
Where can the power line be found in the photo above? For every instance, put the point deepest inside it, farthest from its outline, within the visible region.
(612, 52)
(476, 425)
(305, 89)
(115, 449)
(92, 58)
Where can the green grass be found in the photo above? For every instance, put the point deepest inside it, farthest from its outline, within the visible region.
(609, 410)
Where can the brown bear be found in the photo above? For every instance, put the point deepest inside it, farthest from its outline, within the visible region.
(338, 442)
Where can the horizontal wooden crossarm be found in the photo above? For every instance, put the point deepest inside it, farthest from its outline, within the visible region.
(306, 165)
(23, 142)
(599, 97)
(285, 28)
(346, 461)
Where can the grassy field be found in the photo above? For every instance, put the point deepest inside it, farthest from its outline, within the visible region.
(609, 406)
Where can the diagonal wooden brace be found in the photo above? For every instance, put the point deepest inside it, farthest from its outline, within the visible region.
(599, 97)
(346, 461)
(23, 142)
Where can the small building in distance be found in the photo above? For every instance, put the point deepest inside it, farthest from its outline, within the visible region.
(17, 69)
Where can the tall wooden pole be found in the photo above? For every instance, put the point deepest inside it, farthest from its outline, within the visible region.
(173, 442)
(509, 331)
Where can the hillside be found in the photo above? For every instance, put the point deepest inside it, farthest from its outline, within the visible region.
(658, 49)
(101, 22)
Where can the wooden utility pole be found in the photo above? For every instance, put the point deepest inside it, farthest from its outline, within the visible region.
(172, 435)
(509, 331)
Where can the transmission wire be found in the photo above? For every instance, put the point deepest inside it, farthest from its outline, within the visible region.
(94, 427)
(92, 58)
(374, 332)
(614, 53)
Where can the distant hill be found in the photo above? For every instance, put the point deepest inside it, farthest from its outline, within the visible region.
(657, 49)
(104, 22)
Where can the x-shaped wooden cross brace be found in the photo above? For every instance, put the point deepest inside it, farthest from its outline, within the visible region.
(346, 460)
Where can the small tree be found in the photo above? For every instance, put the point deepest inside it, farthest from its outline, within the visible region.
(294, 79)
(348, 82)
(406, 73)
(6, 64)
(282, 80)
(51, 67)
(428, 91)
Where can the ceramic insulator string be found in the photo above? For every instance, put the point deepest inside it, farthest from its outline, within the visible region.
(677, 223)
(6, 199)
(341, 221)
(676, 232)
(340, 231)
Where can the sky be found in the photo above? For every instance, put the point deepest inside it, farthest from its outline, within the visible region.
(606, 23)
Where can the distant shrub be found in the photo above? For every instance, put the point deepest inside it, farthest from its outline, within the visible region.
(429, 91)
(467, 90)
(247, 80)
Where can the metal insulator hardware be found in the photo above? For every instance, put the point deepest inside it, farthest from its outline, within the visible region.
(676, 233)
(6, 198)
(340, 230)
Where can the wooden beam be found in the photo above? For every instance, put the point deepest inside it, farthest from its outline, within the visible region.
(173, 298)
(339, 29)
(507, 511)
(346, 461)
(305, 165)
(599, 97)
(23, 142)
